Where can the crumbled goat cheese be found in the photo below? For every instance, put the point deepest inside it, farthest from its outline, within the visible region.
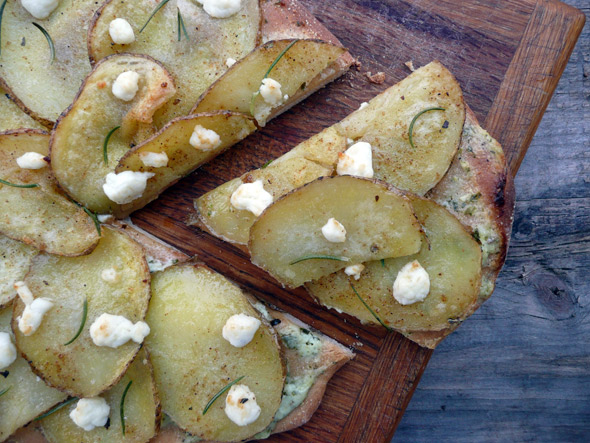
(354, 270)
(230, 62)
(412, 284)
(334, 232)
(34, 310)
(40, 8)
(271, 91)
(7, 351)
(363, 105)
(356, 160)
(251, 197)
(121, 32)
(91, 413)
(109, 275)
(241, 406)
(115, 330)
(239, 329)
(154, 159)
(31, 160)
(221, 8)
(204, 139)
(103, 218)
(126, 85)
(125, 186)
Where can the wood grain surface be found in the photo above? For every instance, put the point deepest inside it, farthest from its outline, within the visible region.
(507, 55)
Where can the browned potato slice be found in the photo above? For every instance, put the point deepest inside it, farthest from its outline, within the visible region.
(40, 216)
(183, 158)
(452, 259)
(12, 117)
(27, 395)
(45, 87)
(83, 369)
(15, 258)
(141, 410)
(194, 63)
(192, 361)
(78, 139)
(237, 89)
(378, 220)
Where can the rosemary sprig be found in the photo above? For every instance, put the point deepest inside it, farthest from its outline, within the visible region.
(94, 219)
(273, 64)
(369, 308)
(84, 315)
(264, 166)
(411, 130)
(122, 406)
(160, 6)
(48, 38)
(4, 391)
(14, 185)
(57, 408)
(105, 144)
(319, 257)
(220, 393)
(1, 14)
(181, 26)
(382, 262)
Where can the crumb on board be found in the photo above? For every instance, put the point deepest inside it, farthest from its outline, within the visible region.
(377, 78)
(410, 65)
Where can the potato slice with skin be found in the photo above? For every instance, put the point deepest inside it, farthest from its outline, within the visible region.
(452, 259)
(141, 408)
(27, 396)
(15, 258)
(43, 88)
(12, 117)
(41, 216)
(78, 138)
(192, 361)
(83, 369)
(194, 63)
(183, 158)
(378, 219)
(296, 68)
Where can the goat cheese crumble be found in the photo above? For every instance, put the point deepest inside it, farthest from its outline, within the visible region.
(115, 330)
(354, 270)
(154, 159)
(271, 91)
(7, 351)
(230, 62)
(35, 309)
(126, 85)
(221, 8)
(40, 8)
(204, 139)
(31, 160)
(125, 186)
(239, 329)
(356, 160)
(121, 32)
(251, 197)
(109, 275)
(90, 413)
(412, 284)
(334, 232)
(241, 406)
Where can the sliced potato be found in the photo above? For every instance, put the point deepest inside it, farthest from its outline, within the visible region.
(452, 259)
(12, 117)
(27, 395)
(39, 216)
(192, 361)
(141, 410)
(42, 86)
(15, 258)
(378, 219)
(183, 158)
(237, 89)
(194, 63)
(78, 138)
(83, 369)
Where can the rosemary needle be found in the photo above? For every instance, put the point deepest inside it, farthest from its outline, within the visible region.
(220, 393)
(370, 310)
(319, 257)
(411, 130)
(14, 185)
(82, 323)
(48, 38)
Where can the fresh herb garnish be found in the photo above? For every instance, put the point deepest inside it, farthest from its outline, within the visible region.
(4, 391)
(1, 14)
(382, 262)
(122, 406)
(266, 164)
(273, 64)
(94, 219)
(160, 6)
(57, 408)
(105, 144)
(319, 257)
(14, 185)
(220, 393)
(84, 315)
(48, 38)
(181, 26)
(411, 130)
(369, 308)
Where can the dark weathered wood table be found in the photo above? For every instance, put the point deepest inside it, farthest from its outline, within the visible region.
(519, 370)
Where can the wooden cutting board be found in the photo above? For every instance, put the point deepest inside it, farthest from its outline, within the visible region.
(508, 56)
